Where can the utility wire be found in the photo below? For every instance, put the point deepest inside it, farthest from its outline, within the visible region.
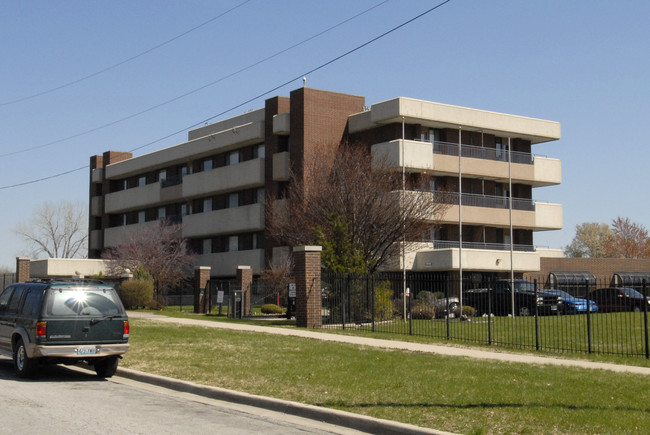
(239, 71)
(101, 71)
(323, 65)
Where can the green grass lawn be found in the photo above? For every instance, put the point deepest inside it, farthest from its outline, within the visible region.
(454, 394)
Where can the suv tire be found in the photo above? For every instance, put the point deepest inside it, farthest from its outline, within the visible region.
(24, 367)
(107, 367)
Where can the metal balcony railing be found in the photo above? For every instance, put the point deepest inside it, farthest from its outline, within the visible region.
(473, 200)
(447, 244)
(471, 151)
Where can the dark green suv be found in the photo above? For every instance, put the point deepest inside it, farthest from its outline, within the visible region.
(62, 322)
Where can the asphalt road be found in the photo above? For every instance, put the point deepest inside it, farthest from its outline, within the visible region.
(73, 401)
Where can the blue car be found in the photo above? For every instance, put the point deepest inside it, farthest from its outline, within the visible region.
(573, 305)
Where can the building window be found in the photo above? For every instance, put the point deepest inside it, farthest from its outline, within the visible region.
(206, 246)
(233, 243)
(259, 152)
(233, 158)
(260, 195)
(142, 180)
(142, 216)
(206, 165)
(207, 205)
(233, 200)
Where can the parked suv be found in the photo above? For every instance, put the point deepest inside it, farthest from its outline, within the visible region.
(64, 322)
(498, 300)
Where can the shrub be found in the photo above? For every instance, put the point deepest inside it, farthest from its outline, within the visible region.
(136, 294)
(383, 303)
(468, 311)
(422, 312)
(271, 309)
(426, 297)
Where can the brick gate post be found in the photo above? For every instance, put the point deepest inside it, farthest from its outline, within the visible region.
(23, 266)
(201, 278)
(244, 280)
(308, 292)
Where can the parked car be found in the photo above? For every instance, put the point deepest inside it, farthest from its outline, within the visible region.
(619, 299)
(442, 310)
(571, 304)
(52, 322)
(498, 300)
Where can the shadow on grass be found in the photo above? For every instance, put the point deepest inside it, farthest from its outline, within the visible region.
(339, 404)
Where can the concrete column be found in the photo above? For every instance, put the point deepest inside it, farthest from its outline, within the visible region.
(201, 296)
(308, 291)
(244, 281)
(23, 265)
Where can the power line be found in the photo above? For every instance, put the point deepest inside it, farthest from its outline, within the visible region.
(200, 88)
(323, 65)
(101, 71)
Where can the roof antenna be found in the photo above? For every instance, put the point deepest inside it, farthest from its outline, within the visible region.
(304, 82)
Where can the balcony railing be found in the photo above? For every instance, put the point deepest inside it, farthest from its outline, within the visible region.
(171, 181)
(447, 244)
(451, 149)
(473, 200)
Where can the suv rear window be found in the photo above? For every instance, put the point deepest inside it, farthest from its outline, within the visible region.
(74, 302)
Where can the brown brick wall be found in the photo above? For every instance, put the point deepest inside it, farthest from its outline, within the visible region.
(23, 266)
(308, 291)
(201, 278)
(602, 268)
(244, 281)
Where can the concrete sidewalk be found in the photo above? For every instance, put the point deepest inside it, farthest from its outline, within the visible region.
(401, 345)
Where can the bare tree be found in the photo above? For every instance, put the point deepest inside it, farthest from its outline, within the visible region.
(57, 230)
(277, 276)
(159, 250)
(356, 201)
(628, 239)
(590, 241)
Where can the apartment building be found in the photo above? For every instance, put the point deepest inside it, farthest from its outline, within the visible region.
(216, 182)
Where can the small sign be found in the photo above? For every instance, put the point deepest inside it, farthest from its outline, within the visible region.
(292, 289)
(220, 297)
(408, 292)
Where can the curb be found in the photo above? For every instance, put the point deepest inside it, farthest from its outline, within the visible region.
(332, 416)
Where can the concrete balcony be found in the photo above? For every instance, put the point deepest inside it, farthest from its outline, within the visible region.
(97, 175)
(282, 123)
(225, 263)
(437, 115)
(222, 141)
(545, 216)
(131, 199)
(281, 168)
(228, 221)
(96, 239)
(415, 156)
(97, 206)
(227, 178)
(118, 235)
(474, 259)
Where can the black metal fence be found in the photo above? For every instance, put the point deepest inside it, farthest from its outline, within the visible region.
(576, 317)
(6, 279)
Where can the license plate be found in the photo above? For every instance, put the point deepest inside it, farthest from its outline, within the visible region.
(86, 350)
(553, 307)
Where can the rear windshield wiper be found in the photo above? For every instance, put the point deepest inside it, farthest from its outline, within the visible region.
(108, 317)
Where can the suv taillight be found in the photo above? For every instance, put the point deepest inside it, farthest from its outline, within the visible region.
(41, 329)
(127, 329)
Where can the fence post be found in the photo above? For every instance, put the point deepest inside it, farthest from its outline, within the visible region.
(410, 312)
(447, 290)
(589, 338)
(645, 318)
(491, 283)
(370, 281)
(536, 317)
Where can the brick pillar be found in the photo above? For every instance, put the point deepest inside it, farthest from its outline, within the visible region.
(244, 281)
(22, 269)
(201, 299)
(308, 292)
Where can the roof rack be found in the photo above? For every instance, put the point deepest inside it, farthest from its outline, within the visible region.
(68, 280)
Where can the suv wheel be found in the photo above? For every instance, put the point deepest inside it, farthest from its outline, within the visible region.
(524, 311)
(107, 367)
(23, 366)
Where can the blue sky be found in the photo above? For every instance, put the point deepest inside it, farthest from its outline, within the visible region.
(582, 63)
